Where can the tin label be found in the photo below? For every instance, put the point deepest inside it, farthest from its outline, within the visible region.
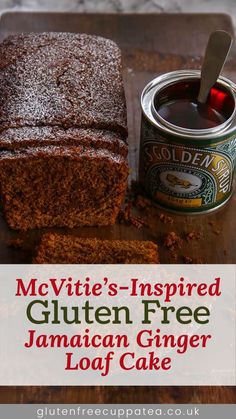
(187, 177)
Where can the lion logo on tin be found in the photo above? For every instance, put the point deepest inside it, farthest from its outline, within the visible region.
(175, 181)
(180, 182)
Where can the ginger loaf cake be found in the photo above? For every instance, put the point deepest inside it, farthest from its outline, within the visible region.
(63, 130)
(58, 249)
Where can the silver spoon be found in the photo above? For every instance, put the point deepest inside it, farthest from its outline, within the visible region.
(216, 53)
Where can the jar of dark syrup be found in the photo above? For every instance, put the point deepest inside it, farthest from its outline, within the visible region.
(188, 150)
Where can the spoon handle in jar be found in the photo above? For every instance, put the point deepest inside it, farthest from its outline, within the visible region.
(216, 53)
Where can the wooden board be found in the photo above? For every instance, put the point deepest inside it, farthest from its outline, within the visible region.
(151, 44)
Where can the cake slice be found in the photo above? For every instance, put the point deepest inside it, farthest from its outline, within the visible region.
(63, 130)
(58, 249)
(61, 186)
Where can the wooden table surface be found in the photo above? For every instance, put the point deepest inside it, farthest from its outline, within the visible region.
(151, 44)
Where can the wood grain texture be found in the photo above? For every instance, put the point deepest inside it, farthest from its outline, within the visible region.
(151, 44)
(148, 394)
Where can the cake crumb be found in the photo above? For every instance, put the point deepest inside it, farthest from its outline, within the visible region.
(125, 217)
(172, 241)
(138, 222)
(141, 202)
(193, 235)
(166, 219)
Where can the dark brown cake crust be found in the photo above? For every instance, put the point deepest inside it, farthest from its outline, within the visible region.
(58, 248)
(61, 79)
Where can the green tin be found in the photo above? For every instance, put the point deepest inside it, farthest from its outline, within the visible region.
(186, 170)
